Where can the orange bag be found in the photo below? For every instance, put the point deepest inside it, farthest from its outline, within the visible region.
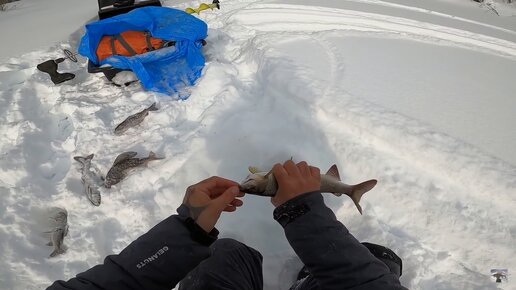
(127, 43)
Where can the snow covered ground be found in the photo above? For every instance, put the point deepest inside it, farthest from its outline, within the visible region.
(418, 94)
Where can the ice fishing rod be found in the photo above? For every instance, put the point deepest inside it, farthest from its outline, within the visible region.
(203, 6)
(50, 67)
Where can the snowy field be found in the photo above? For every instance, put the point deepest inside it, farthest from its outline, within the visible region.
(420, 95)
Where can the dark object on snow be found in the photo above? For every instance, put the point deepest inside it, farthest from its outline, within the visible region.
(500, 275)
(123, 3)
(50, 67)
(110, 8)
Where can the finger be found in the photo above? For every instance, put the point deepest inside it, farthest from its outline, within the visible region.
(230, 208)
(237, 203)
(279, 173)
(227, 197)
(315, 171)
(291, 168)
(217, 182)
(215, 185)
(241, 194)
(303, 169)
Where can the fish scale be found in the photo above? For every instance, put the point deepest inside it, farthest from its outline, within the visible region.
(123, 164)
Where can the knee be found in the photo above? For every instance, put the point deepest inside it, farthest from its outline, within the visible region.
(228, 244)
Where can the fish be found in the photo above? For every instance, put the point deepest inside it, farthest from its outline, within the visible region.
(60, 218)
(91, 180)
(56, 241)
(264, 184)
(134, 120)
(60, 224)
(123, 163)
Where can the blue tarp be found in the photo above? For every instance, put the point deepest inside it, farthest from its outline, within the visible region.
(165, 70)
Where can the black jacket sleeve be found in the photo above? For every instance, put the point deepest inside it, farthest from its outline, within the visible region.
(157, 260)
(335, 258)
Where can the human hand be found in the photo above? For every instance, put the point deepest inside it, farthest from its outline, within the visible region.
(207, 200)
(294, 180)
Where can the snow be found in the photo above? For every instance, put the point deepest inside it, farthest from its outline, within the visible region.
(418, 95)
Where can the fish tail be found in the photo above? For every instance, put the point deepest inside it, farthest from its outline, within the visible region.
(152, 107)
(152, 156)
(84, 160)
(358, 190)
(57, 251)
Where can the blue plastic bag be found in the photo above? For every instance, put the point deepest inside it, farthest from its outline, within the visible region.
(165, 70)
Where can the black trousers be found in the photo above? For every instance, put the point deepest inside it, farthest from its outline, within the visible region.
(235, 266)
(232, 266)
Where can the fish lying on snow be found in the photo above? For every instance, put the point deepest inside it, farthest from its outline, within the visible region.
(264, 184)
(123, 163)
(134, 120)
(60, 221)
(91, 180)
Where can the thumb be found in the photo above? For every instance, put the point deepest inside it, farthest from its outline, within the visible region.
(226, 198)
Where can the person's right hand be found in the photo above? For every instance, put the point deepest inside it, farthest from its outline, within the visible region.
(294, 180)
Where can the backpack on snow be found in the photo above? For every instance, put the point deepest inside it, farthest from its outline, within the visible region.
(129, 43)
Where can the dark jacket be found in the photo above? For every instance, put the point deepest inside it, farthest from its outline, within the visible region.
(334, 257)
(159, 259)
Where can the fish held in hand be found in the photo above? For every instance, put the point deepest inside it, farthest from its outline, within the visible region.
(91, 180)
(134, 120)
(264, 184)
(123, 164)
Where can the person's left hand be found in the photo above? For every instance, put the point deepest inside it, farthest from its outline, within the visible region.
(207, 200)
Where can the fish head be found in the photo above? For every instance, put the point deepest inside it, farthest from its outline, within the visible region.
(254, 183)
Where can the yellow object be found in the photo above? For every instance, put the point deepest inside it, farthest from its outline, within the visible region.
(202, 7)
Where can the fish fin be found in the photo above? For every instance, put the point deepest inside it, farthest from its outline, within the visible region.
(359, 190)
(267, 175)
(57, 252)
(124, 156)
(90, 156)
(152, 156)
(50, 244)
(152, 107)
(253, 169)
(334, 171)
